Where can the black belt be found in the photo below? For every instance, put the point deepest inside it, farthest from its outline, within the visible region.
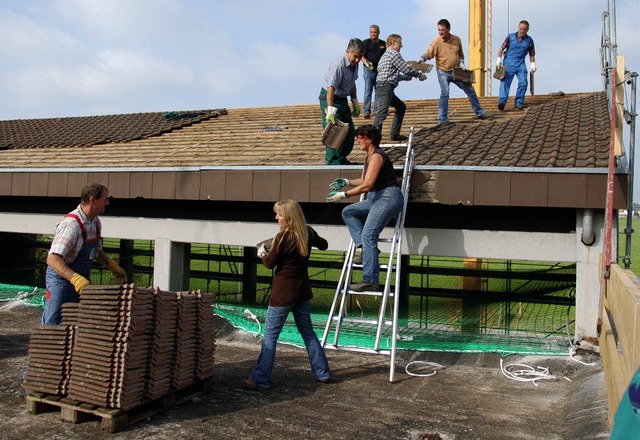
(323, 97)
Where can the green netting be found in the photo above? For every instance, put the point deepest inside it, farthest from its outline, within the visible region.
(497, 306)
(28, 295)
(504, 327)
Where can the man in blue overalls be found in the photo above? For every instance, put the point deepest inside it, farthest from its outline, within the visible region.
(517, 45)
(76, 244)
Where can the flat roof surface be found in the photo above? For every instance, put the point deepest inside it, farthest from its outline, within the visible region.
(469, 399)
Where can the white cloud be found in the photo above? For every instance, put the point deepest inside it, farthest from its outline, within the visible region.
(123, 20)
(74, 56)
(28, 42)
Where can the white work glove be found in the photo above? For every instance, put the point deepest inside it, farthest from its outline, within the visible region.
(422, 76)
(261, 250)
(368, 65)
(498, 61)
(356, 107)
(331, 114)
(461, 64)
(336, 196)
(423, 59)
(533, 66)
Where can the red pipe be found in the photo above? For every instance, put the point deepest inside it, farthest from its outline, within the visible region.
(611, 173)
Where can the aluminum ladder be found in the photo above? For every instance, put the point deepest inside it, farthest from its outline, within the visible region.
(337, 314)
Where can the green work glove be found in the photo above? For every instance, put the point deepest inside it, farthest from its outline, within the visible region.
(339, 183)
(356, 107)
(331, 114)
(336, 196)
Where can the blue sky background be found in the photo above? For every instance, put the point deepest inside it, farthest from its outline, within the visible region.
(63, 58)
(78, 57)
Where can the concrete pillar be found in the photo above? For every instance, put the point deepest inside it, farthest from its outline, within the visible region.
(589, 275)
(171, 265)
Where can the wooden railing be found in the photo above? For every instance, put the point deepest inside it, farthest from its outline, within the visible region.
(620, 333)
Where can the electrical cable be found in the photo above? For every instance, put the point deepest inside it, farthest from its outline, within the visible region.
(526, 373)
(573, 347)
(425, 364)
(250, 315)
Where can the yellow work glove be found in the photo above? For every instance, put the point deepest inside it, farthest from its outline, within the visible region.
(79, 282)
(117, 271)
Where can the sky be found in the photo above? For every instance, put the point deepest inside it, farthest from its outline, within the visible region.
(63, 58)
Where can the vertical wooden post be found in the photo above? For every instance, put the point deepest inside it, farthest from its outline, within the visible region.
(477, 43)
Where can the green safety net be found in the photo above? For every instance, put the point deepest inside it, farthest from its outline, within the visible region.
(431, 324)
(507, 328)
(27, 295)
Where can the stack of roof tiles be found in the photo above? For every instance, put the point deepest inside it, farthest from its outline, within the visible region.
(165, 313)
(206, 344)
(110, 355)
(121, 345)
(49, 359)
(185, 361)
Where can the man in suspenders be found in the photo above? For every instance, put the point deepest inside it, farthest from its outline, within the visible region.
(76, 244)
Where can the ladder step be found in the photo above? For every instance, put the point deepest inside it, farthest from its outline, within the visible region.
(382, 266)
(372, 321)
(370, 293)
(357, 349)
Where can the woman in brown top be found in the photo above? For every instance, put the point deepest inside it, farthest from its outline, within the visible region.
(290, 292)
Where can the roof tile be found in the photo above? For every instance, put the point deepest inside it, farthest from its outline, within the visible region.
(554, 131)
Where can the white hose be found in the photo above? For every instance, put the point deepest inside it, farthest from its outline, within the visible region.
(433, 365)
(526, 373)
(251, 315)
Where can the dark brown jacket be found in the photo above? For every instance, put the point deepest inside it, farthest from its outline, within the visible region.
(290, 283)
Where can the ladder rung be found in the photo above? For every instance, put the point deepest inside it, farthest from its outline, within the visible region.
(382, 266)
(356, 349)
(372, 321)
(361, 320)
(370, 293)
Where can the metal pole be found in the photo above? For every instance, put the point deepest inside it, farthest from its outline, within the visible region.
(633, 76)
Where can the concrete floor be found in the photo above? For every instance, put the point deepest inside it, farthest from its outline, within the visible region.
(469, 399)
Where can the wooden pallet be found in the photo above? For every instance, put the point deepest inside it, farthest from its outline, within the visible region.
(112, 420)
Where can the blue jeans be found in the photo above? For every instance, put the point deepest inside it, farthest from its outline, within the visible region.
(510, 71)
(387, 98)
(276, 317)
(60, 291)
(369, 86)
(366, 220)
(445, 78)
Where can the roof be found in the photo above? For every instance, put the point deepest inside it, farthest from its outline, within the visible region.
(555, 131)
(269, 153)
(570, 132)
(95, 130)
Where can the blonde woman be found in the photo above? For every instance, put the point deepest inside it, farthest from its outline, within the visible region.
(290, 292)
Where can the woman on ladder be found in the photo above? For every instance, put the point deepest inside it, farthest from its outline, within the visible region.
(366, 219)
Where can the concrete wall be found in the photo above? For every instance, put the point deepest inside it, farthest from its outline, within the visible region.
(172, 237)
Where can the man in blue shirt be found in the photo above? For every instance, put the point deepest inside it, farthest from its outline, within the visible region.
(517, 45)
(339, 84)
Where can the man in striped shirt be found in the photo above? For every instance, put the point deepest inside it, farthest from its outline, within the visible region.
(392, 68)
(76, 244)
